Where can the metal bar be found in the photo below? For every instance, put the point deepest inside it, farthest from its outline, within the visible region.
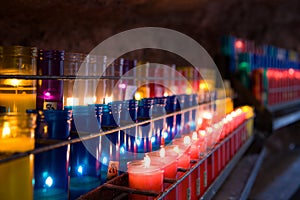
(253, 175)
(286, 120)
(70, 77)
(283, 105)
(129, 190)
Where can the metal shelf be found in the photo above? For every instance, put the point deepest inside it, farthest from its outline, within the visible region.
(123, 189)
(286, 120)
(281, 106)
(65, 77)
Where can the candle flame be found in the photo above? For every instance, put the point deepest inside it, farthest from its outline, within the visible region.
(209, 130)
(72, 101)
(14, 82)
(239, 111)
(176, 149)
(147, 161)
(200, 120)
(194, 136)
(162, 152)
(108, 99)
(207, 115)
(202, 132)
(6, 130)
(187, 140)
(138, 96)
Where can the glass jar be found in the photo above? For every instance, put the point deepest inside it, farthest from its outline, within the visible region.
(50, 92)
(17, 132)
(17, 95)
(72, 63)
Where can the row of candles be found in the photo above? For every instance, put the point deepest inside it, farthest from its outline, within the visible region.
(134, 79)
(275, 86)
(149, 173)
(88, 163)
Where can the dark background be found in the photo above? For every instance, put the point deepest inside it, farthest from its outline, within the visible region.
(80, 25)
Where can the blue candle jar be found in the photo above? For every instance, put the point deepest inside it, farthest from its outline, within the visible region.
(52, 124)
(172, 105)
(51, 174)
(85, 120)
(85, 167)
(160, 124)
(111, 142)
(144, 132)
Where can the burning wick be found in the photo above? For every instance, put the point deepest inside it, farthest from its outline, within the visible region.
(147, 161)
(162, 153)
(194, 136)
(202, 132)
(187, 140)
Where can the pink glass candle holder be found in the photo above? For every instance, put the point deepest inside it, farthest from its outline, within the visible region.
(145, 175)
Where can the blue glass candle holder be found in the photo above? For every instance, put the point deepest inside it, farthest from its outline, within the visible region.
(144, 132)
(85, 166)
(52, 124)
(85, 121)
(159, 125)
(172, 105)
(51, 174)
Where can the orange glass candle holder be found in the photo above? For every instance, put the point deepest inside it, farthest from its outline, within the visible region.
(17, 132)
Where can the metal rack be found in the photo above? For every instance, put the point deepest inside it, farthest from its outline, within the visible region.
(117, 188)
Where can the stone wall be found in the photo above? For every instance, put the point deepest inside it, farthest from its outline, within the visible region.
(79, 25)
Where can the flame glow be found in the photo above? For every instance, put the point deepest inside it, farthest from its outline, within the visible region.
(6, 130)
(162, 153)
(187, 140)
(194, 136)
(147, 161)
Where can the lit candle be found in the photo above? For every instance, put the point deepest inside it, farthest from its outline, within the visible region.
(195, 146)
(15, 135)
(18, 95)
(182, 147)
(16, 179)
(202, 142)
(169, 159)
(145, 175)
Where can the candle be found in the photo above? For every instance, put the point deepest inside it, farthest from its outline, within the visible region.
(195, 146)
(18, 95)
(16, 178)
(84, 167)
(170, 160)
(202, 142)
(145, 175)
(182, 147)
(51, 174)
(17, 132)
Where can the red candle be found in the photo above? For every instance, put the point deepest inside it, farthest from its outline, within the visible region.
(182, 147)
(184, 151)
(145, 175)
(170, 160)
(202, 142)
(195, 147)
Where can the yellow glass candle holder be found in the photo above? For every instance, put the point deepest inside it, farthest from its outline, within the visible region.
(17, 132)
(17, 95)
